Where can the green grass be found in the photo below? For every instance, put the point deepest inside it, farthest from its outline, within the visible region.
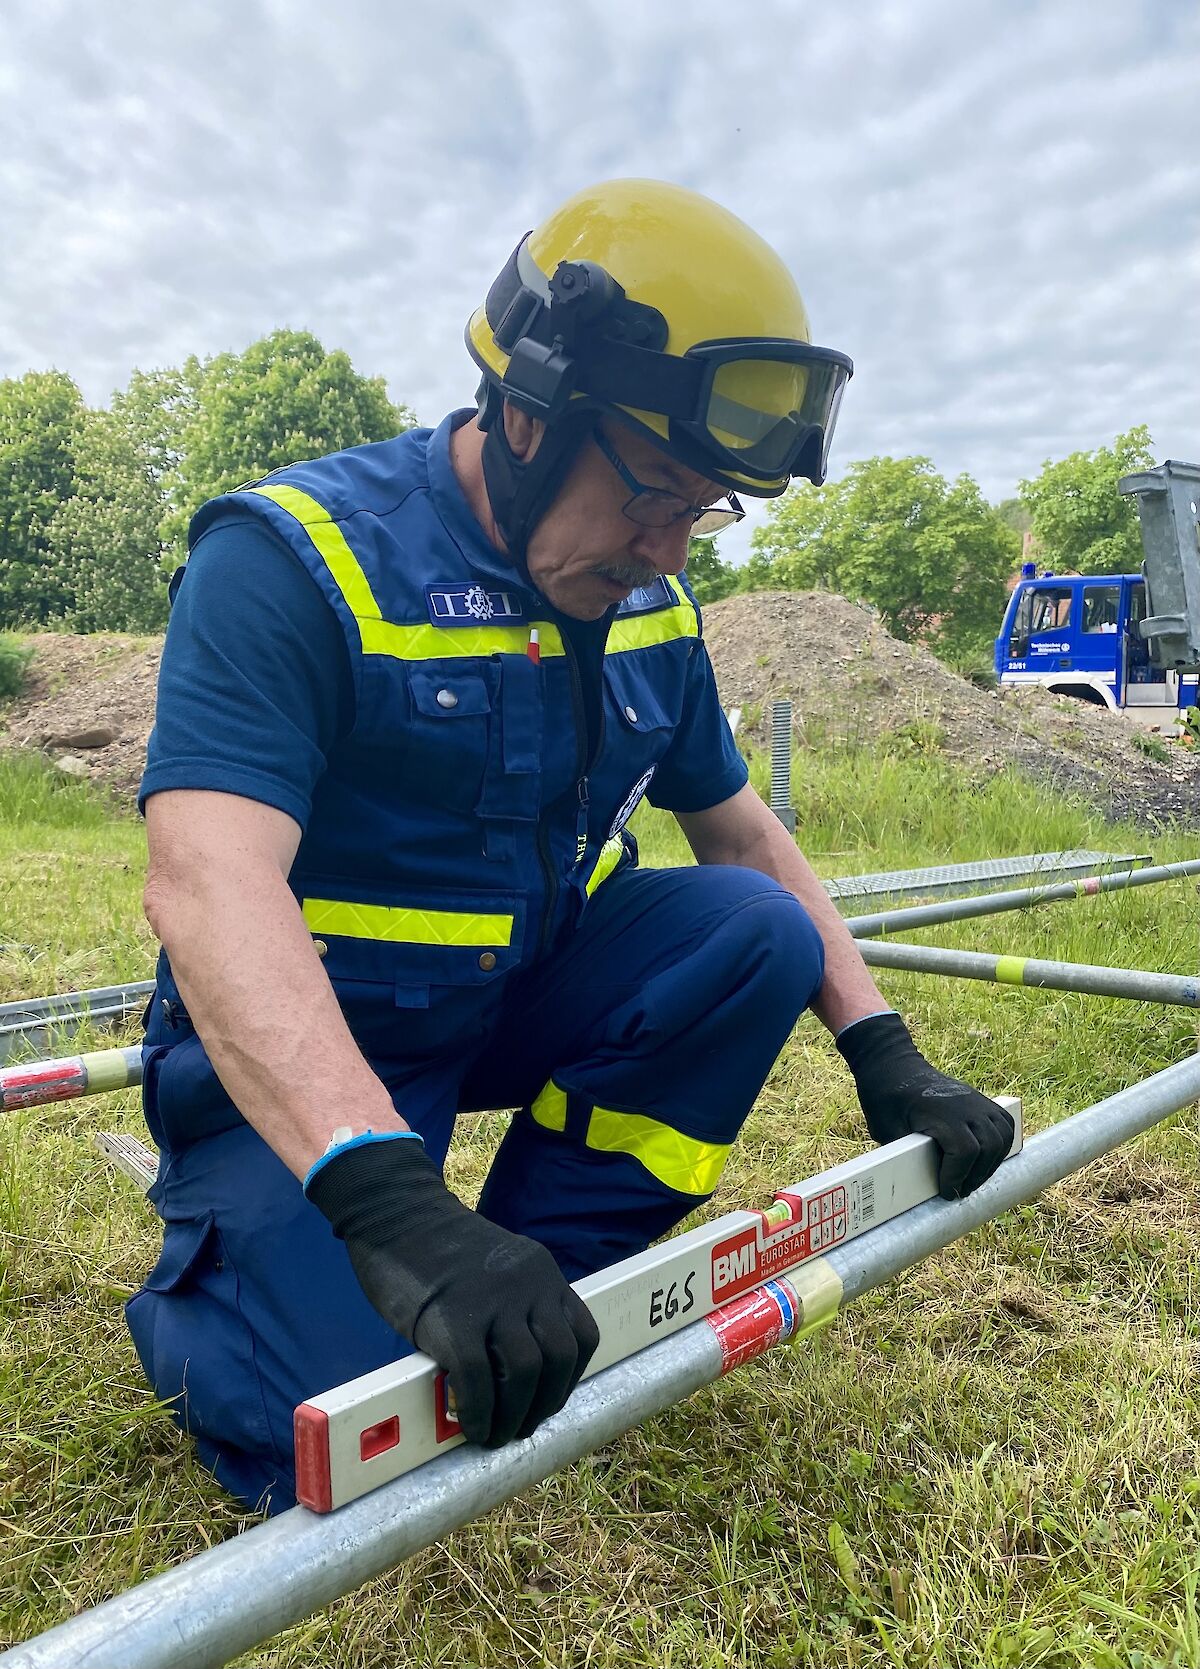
(993, 1461)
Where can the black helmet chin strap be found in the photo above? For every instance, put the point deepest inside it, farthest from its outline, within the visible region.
(521, 493)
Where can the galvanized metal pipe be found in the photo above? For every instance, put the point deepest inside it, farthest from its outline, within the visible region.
(225, 1601)
(1182, 990)
(36, 1019)
(1046, 1158)
(69, 1077)
(958, 909)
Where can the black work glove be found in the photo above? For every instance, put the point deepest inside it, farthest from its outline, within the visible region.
(490, 1307)
(902, 1095)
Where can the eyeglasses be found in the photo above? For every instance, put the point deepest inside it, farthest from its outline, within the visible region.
(654, 507)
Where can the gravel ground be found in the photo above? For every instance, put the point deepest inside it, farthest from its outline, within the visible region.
(89, 703)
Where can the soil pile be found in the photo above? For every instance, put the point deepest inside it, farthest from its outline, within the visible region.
(852, 682)
(89, 704)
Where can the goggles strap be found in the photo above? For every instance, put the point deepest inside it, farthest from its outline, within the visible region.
(521, 493)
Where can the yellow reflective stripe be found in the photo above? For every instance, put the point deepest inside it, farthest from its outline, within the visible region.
(384, 637)
(431, 643)
(643, 631)
(1010, 970)
(549, 1107)
(610, 857)
(393, 925)
(679, 1161)
(330, 541)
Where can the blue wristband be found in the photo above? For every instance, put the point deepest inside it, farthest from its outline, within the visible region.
(874, 1015)
(360, 1140)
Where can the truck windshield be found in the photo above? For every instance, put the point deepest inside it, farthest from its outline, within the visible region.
(1051, 609)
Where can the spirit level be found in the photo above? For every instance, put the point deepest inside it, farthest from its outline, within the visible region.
(353, 1438)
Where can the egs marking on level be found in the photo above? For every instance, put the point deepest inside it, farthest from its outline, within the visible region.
(369, 1431)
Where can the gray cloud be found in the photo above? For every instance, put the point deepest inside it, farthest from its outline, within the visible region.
(995, 208)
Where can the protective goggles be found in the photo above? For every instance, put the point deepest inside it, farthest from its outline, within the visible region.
(761, 408)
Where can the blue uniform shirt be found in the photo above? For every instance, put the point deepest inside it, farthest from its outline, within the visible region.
(255, 687)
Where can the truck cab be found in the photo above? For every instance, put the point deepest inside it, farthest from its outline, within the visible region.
(1079, 636)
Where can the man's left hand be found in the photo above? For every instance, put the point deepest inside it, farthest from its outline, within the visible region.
(902, 1095)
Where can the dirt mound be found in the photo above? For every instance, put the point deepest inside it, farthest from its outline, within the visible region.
(89, 703)
(852, 682)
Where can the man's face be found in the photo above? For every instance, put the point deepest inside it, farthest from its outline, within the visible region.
(585, 554)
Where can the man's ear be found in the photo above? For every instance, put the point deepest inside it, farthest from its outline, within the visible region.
(523, 433)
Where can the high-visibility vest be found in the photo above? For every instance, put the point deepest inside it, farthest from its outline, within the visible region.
(459, 827)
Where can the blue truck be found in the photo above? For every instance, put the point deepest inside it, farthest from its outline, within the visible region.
(1081, 636)
(1128, 642)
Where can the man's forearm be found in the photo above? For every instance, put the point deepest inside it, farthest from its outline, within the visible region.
(258, 996)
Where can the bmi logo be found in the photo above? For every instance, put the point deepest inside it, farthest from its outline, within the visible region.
(731, 1268)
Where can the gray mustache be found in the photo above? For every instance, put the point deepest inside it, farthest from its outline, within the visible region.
(633, 576)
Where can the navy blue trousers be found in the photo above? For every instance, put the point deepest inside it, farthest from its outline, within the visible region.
(634, 1054)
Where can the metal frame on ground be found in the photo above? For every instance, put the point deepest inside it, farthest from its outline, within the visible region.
(227, 1600)
(38, 1020)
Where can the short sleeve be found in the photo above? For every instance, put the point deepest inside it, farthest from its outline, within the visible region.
(255, 684)
(702, 767)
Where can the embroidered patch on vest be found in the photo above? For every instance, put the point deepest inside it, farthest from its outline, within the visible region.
(648, 598)
(630, 803)
(471, 605)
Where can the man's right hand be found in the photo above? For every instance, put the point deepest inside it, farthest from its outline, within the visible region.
(490, 1307)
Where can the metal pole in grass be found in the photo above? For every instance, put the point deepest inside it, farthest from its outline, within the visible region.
(75, 1075)
(1183, 990)
(35, 1019)
(781, 764)
(993, 903)
(69, 1077)
(227, 1600)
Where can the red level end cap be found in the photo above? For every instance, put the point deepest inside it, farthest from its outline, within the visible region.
(310, 1434)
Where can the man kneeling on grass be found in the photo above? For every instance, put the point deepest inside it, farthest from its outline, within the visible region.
(410, 696)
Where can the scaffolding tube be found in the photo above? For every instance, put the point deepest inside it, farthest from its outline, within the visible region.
(1182, 990)
(69, 1077)
(39, 1021)
(993, 903)
(232, 1597)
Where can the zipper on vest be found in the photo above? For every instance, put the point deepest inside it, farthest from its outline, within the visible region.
(579, 718)
(584, 762)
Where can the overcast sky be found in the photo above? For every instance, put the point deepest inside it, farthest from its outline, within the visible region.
(994, 207)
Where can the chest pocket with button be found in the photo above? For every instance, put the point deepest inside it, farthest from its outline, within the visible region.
(449, 733)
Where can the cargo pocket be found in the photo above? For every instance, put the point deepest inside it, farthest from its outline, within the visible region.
(413, 971)
(194, 1343)
(447, 737)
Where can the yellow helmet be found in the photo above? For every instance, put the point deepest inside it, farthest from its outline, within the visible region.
(654, 303)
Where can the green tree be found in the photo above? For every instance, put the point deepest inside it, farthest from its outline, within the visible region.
(932, 556)
(282, 400)
(1081, 521)
(1014, 514)
(39, 416)
(710, 578)
(105, 538)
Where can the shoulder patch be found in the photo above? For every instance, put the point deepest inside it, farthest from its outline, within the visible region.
(468, 605)
(647, 599)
